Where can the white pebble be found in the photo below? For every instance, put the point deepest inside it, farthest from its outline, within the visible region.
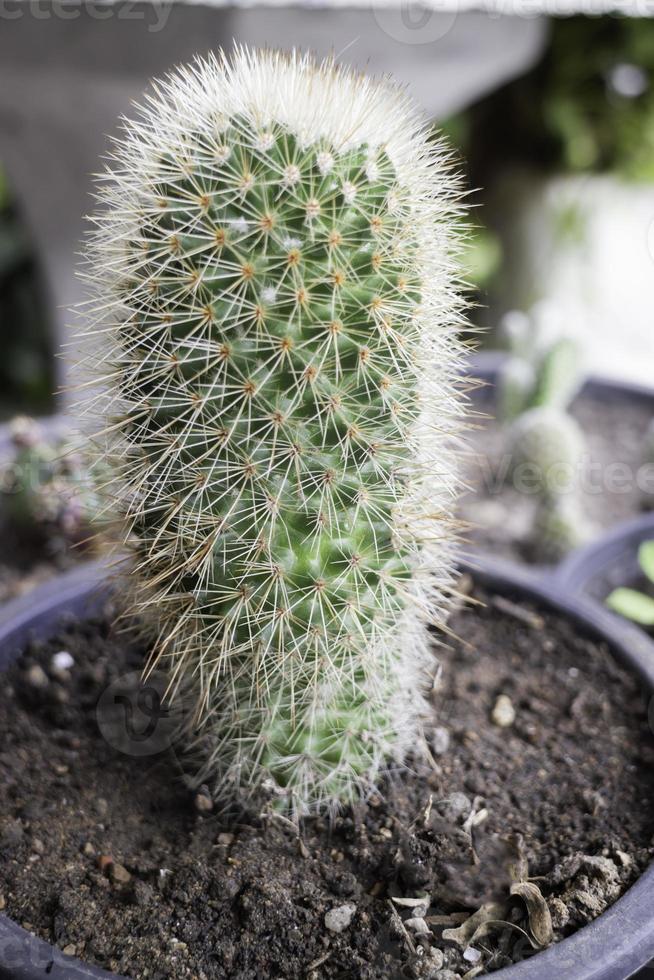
(418, 926)
(440, 741)
(471, 955)
(37, 677)
(503, 713)
(339, 918)
(62, 660)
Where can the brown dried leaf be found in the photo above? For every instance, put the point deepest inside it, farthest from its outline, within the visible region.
(463, 936)
(540, 920)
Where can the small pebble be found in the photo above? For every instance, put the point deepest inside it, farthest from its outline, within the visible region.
(471, 955)
(62, 661)
(3, 903)
(70, 950)
(104, 863)
(37, 677)
(38, 846)
(440, 741)
(559, 913)
(339, 918)
(225, 840)
(433, 962)
(202, 800)
(455, 806)
(88, 849)
(503, 713)
(119, 874)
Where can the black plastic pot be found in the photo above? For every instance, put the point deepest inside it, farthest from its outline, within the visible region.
(613, 947)
(485, 365)
(609, 562)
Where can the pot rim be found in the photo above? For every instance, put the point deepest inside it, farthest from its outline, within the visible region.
(485, 365)
(581, 565)
(612, 947)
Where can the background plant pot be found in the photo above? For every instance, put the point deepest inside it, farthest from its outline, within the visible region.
(613, 947)
(616, 482)
(485, 366)
(611, 561)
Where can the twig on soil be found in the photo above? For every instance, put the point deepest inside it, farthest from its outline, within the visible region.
(523, 615)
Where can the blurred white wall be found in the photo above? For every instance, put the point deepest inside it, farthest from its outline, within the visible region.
(66, 73)
(585, 244)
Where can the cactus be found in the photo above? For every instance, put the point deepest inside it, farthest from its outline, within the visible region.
(559, 526)
(273, 267)
(547, 453)
(535, 388)
(647, 472)
(542, 368)
(48, 487)
(547, 449)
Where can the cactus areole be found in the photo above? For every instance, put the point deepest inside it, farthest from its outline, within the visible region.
(276, 332)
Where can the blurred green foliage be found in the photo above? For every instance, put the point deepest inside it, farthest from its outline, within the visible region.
(27, 374)
(587, 107)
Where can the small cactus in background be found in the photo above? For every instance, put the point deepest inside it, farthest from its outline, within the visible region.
(559, 525)
(648, 461)
(273, 261)
(536, 386)
(48, 489)
(547, 448)
(542, 367)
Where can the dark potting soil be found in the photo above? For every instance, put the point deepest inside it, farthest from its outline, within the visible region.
(500, 516)
(115, 861)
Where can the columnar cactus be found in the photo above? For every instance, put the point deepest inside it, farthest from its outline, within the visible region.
(276, 328)
(542, 368)
(48, 487)
(536, 385)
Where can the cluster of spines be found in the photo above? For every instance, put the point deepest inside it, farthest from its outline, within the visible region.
(285, 474)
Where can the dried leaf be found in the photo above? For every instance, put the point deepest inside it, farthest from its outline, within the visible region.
(463, 936)
(412, 903)
(540, 920)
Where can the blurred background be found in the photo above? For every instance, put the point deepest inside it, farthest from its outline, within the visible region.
(549, 105)
(553, 118)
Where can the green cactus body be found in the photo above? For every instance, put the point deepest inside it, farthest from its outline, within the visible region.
(559, 526)
(551, 444)
(276, 422)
